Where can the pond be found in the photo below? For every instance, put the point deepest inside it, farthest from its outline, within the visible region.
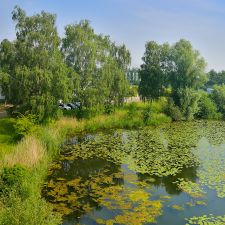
(172, 174)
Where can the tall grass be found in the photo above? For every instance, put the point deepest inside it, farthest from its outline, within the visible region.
(28, 153)
(129, 116)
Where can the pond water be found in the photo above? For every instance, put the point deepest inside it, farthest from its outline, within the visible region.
(170, 175)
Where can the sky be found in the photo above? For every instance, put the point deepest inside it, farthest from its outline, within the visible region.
(134, 22)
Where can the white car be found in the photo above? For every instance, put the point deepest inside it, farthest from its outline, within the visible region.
(64, 106)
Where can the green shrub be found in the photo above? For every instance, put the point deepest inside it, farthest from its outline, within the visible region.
(158, 106)
(13, 175)
(25, 124)
(173, 111)
(109, 108)
(12, 179)
(207, 108)
(218, 96)
(132, 110)
(32, 211)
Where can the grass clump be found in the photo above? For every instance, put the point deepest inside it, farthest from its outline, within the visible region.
(28, 152)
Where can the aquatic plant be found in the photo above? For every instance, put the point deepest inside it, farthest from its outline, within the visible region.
(191, 188)
(211, 171)
(206, 220)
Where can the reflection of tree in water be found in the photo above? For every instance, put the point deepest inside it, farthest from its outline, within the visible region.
(168, 181)
(75, 187)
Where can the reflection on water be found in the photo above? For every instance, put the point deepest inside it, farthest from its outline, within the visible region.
(168, 182)
(136, 177)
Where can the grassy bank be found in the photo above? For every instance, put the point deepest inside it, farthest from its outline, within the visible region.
(25, 163)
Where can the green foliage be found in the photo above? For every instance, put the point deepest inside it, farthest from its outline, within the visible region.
(7, 134)
(147, 113)
(215, 78)
(132, 91)
(188, 67)
(12, 178)
(187, 74)
(218, 96)
(100, 64)
(109, 108)
(33, 210)
(173, 111)
(158, 119)
(25, 124)
(207, 108)
(132, 110)
(188, 102)
(154, 70)
(37, 75)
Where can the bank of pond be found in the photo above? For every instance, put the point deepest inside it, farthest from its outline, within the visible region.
(170, 174)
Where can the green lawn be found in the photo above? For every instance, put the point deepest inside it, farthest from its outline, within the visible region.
(7, 134)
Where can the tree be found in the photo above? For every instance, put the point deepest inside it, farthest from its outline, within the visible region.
(38, 77)
(218, 96)
(207, 107)
(100, 64)
(215, 78)
(188, 102)
(7, 61)
(154, 70)
(188, 69)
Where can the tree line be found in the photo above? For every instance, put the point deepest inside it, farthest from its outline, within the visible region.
(179, 72)
(39, 68)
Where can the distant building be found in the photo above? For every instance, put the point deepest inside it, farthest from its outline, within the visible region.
(1, 96)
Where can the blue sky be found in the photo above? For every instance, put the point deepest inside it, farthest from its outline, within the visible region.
(133, 22)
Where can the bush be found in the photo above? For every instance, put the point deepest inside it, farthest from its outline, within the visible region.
(158, 106)
(109, 108)
(173, 111)
(33, 210)
(25, 124)
(132, 110)
(12, 178)
(207, 108)
(218, 96)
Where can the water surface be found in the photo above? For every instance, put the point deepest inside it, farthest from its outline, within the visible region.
(174, 174)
